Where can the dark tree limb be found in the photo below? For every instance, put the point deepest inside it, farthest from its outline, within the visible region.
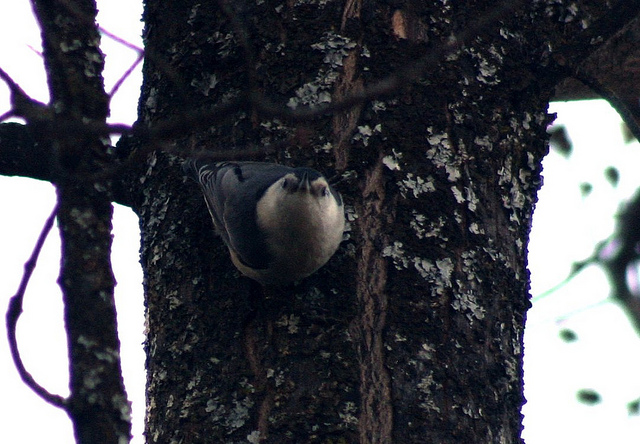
(22, 155)
(629, 112)
(190, 120)
(610, 73)
(201, 119)
(15, 310)
(614, 64)
(97, 405)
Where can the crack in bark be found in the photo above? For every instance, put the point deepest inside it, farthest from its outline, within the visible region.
(344, 124)
(253, 343)
(376, 415)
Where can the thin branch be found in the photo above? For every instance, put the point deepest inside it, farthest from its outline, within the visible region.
(395, 81)
(126, 74)
(387, 86)
(194, 120)
(35, 50)
(15, 310)
(120, 40)
(242, 35)
(13, 86)
(577, 268)
(21, 104)
(9, 114)
(129, 45)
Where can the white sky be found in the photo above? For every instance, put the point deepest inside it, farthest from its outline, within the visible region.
(606, 358)
(566, 226)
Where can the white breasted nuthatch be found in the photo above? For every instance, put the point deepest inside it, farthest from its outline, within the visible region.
(280, 223)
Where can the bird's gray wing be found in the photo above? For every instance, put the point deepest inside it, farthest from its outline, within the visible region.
(232, 190)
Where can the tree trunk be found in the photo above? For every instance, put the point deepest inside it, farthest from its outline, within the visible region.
(413, 331)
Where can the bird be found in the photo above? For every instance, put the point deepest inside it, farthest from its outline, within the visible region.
(280, 223)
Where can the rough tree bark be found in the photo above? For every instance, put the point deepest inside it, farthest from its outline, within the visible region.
(413, 331)
(425, 343)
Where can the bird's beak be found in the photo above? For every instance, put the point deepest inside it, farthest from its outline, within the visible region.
(304, 183)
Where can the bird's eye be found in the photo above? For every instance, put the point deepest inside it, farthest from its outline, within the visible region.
(324, 191)
(285, 183)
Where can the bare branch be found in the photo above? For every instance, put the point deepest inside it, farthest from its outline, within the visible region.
(126, 74)
(120, 40)
(129, 45)
(15, 310)
(194, 120)
(242, 34)
(21, 104)
(20, 155)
